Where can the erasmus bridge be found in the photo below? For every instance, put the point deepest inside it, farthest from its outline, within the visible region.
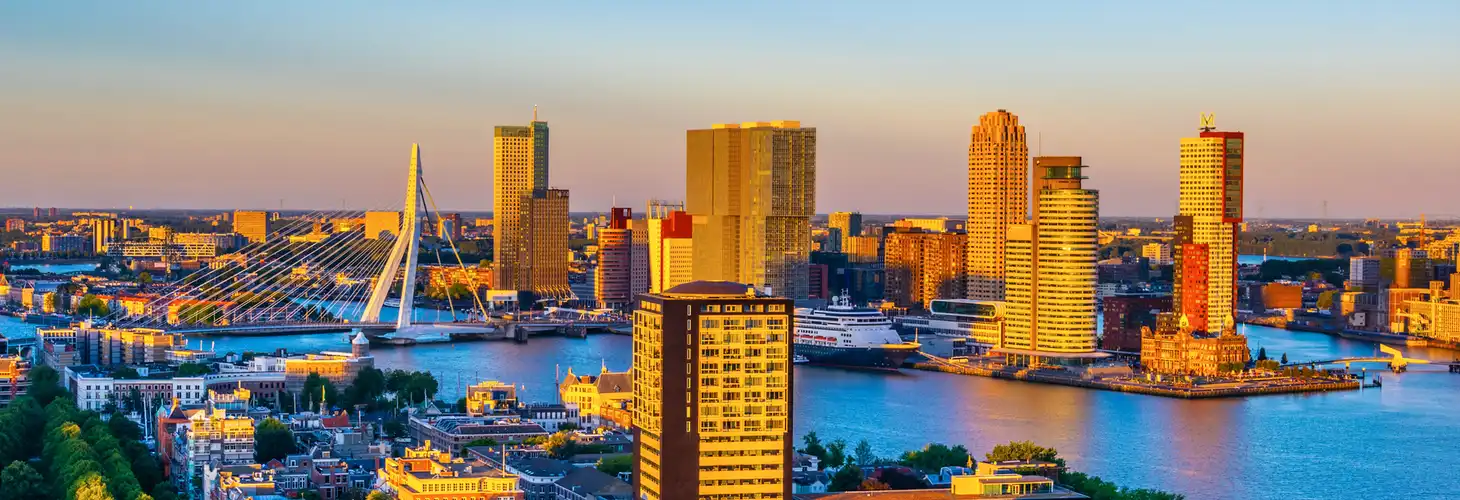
(322, 272)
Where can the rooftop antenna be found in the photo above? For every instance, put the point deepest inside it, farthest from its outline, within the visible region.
(534, 112)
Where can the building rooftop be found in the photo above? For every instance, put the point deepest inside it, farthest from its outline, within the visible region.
(595, 483)
(713, 288)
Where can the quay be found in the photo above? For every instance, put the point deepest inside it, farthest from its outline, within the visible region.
(1220, 390)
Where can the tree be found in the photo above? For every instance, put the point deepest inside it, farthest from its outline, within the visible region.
(488, 442)
(92, 306)
(45, 385)
(312, 391)
(836, 453)
(192, 370)
(935, 456)
(126, 372)
(1024, 451)
(272, 439)
(144, 278)
(849, 478)
(92, 487)
(1325, 299)
(1262, 354)
(813, 446)
(20, 482)
(1285, 358)
(561, 445)
(394, 429)
(870, 484)
(613, 465)
(379, 495)
(864, 454)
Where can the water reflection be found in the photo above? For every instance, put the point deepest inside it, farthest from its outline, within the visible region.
(1355, 444)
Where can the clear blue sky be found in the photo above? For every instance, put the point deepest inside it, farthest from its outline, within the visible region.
(241, 104)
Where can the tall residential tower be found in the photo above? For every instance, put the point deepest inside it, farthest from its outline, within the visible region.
(1210, 212)
(752, 191)
(998, 187)
(1050, 298)
(712, 394)
(519, 167)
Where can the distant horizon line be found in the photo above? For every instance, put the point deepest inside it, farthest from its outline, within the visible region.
(5, 211)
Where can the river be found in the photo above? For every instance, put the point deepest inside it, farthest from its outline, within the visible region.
(1393, 442)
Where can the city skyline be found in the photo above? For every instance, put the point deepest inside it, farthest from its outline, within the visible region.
(118, 98)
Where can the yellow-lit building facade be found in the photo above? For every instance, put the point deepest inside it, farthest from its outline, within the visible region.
(1051, 275)
(1207, 222)
(490, 397)
(671, 248)
(379, 224)
(751, 188)
(253, 225)
(922, 266)
(603, 397)
(998, 194)
(519, 167)
(1181, 350)
(426, 474)
(861, 249)
(712, 394)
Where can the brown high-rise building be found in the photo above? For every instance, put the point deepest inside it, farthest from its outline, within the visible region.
(923, 266)
(613, 276)
(1124, 317)
(542, 265)
(752, 191)
(712, 394)
(998, 196)
(252, 225)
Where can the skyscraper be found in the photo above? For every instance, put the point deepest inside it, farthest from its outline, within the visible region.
(1207, 226)
(542, 265)
(614, 274)
(712, 394)
(103, 232)
(847, 225)
(519, 167)
(449, 226)
(922, 266)
(639, 274)
(998, 185)
(1051, 275)
(253, 225)
(671, 246)
(752, 190)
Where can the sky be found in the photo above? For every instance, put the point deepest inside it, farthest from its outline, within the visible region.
(314, 105)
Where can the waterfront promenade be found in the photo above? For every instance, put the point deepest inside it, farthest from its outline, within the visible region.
(1222, 389)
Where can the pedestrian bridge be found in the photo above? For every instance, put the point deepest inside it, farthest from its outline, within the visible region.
(1394, 359)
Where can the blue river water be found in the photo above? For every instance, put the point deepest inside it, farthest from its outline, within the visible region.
(77, 267)
(1393, 442)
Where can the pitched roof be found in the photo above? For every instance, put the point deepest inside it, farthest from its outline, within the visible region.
(590, 480)
(615, 382)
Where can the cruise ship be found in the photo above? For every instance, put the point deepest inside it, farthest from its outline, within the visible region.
(979, 321)
(844, 335)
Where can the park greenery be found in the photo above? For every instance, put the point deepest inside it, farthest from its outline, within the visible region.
(935, 456)
(52, 449)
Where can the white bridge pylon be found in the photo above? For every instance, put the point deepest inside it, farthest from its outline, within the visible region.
(407, 245)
